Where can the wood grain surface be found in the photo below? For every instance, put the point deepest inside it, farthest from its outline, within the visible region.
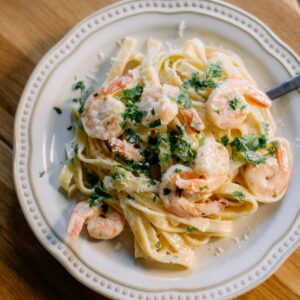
(27, 30)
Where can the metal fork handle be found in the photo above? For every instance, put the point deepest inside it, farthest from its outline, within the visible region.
(284, 88)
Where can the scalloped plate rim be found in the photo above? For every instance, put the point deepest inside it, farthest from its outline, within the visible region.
(16, 148)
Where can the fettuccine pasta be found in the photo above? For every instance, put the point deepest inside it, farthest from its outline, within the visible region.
(175, 143)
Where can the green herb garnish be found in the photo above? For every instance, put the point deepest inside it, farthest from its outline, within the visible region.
(158, 245)
(234, 103)
(190, 229)
(265, 128)
(78, 124)
(272, 148)
(98, 195)
(70, 128)
(132, 137)
(133, 113)
(184, 100)
(177, 170)
(224, 140)
(181, 148)
(202, 188)
(245, 147)
(85, 93)
(133, 94)
(154, 123)
(238, 195)
(41, 174)
(79, 85)
(58, 110)
(199, 82)
(118, 176)
(151, 181)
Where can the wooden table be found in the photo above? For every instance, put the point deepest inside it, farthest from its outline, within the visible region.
(27, 30)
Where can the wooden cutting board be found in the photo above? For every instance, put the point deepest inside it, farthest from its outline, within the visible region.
(27, 30)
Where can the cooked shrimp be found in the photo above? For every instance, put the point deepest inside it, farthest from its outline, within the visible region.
(227, 105)
(103, 113)
(108, 227)
(156, 102)
(126, 149)
(211, 169)
(192, 119)
(81, 213)
(269, 180)
(181, 202)
(98, 227)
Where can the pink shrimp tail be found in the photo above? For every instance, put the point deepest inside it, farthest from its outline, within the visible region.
(117, 85)
(74, 228)
(258, 97)
(282, 156)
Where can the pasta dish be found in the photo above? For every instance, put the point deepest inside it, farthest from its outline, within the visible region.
(177, 144)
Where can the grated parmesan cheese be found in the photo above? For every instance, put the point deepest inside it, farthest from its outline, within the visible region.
(100, 55)
(181, 28)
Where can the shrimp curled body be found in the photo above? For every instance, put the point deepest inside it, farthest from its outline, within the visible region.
(103, 113)
(182, 189)
(270, 179)
(227, 105)
(98, 227)
(156, 102)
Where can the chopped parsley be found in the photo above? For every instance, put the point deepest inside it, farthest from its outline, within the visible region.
(70, 128)
(133, 166)
(132, 137)
(201, 81)
(184, 100)
(158, 245)
(249, 142)
(118, 176)
(177, 170)
(133, 113)
(85, 93)
(98, 195)
(245, 147)
(238, 195)
(217, 111)
(133, 94)
(190, 229)
(224, 140)
(235, 102)
(202, 188)
(151, 181)
(58, 110)
(79, 85)
(181, 148)
(154, 123)
(78, 124)
(272, 148)
(265, 128)
(41, 174)
(166, 191)
(153, 111)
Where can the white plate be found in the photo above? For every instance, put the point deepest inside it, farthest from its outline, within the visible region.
(40, 136)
